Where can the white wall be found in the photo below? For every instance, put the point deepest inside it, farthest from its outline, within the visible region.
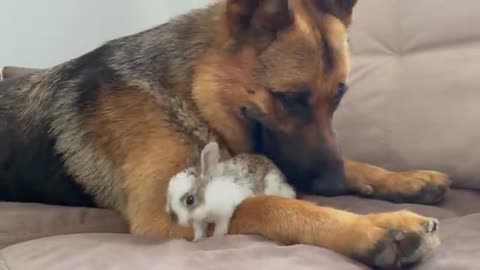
(42, 33)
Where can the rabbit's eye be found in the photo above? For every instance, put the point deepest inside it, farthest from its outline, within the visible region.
(190, 200)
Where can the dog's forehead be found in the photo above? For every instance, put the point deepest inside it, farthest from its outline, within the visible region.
(287, 61)
(293, 60)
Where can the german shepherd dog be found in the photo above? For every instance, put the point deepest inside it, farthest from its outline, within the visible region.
(111, 127)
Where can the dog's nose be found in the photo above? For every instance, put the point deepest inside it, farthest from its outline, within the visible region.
(330, 182)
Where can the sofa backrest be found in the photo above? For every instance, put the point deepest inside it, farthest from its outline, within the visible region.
(9, 72)
(415, 87)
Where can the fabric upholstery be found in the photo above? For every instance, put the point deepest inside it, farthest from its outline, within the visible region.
(459, 230)
(413, 103)
(414, 88)
(10, 72)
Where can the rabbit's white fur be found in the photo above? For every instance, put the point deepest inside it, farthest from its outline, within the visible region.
(222, 196)
(180, 185)
(275, 185)
(219, 187)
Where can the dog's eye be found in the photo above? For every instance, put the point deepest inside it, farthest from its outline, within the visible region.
(190, 200)
(342, 89)
(295, 101)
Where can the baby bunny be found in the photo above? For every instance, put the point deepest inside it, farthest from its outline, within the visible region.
(211, 192)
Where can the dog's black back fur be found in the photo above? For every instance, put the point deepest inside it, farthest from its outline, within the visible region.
(30, 170)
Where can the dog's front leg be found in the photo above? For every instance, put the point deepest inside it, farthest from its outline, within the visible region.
(132, 130)
(426, 187)
(381, 240)
(146, 150)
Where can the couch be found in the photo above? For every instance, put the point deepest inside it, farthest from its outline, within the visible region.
(413, 104)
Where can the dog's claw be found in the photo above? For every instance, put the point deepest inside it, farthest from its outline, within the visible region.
(432, 226)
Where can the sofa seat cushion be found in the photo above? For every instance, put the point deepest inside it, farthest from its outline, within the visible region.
(110, 251)
(459, 250)
(21, 222)
(62, 239)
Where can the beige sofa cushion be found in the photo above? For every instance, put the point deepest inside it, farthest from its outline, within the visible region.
(10, 72)
(413, 104)
(460, 250)
(414, 88)
(21, 222)
(459, 230)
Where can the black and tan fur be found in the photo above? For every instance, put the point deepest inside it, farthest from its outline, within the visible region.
(111, 127)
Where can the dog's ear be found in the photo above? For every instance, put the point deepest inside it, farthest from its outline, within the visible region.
(260, 18)
(256, 17)
(340, 8)
(210, 157)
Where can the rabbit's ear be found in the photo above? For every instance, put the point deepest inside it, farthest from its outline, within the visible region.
(209, 159)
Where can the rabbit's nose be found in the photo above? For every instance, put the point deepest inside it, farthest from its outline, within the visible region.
(173, 216)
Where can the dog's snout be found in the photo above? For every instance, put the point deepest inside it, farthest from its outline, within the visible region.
(331, 181)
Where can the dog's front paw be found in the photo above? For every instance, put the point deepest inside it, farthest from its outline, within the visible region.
(409, 238)
(425, 187)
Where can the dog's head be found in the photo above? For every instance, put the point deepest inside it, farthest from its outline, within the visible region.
(273, 79)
